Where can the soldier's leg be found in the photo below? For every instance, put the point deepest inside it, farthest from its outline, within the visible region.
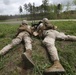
(50, 44)
(10, 46)
(14, 42)
(26, 56)
(62, 36)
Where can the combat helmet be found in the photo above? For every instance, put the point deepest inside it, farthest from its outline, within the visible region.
(25, 22)
(45, 20)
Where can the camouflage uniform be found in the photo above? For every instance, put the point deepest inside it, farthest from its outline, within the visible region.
(50, 35)
(23, 34)
(49, 41)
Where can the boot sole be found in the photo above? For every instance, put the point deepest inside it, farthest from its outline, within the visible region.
(27, 61)
(54, 73)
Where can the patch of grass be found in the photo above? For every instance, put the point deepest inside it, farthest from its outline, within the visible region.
(66, 50)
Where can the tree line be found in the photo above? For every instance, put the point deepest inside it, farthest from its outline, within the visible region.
(51, 11)
(44, 10)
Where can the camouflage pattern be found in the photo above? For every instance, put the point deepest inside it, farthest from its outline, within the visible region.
(50, 35)
(24, 32)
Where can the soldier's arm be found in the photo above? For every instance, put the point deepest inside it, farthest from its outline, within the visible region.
(39, 30)
(50, 26)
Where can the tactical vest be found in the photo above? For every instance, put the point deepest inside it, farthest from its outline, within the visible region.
(26, 28)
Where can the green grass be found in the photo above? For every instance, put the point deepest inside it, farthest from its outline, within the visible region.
(66, 50)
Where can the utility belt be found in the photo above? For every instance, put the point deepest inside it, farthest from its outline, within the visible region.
(26, 33)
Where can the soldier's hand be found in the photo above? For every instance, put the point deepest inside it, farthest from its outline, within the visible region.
(55, 27)
(35, 33)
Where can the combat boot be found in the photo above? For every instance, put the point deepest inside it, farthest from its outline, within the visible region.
(26, 56)
(55, 68)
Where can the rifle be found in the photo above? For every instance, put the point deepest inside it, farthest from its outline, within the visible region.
(36, 25)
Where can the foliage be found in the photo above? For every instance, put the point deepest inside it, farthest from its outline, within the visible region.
(3, 17)
(44, 8)
(68, 6)
(20, 9)
(51, 11)
(74, 2)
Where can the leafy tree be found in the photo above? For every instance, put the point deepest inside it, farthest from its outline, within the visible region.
(45, 4)
(20, 9)
(74, 1)
(26, 7)
(30, 8)
(33, 8)
(59, 8)
(33, 12)
(37, 9)
(67, 10)
(68, 6)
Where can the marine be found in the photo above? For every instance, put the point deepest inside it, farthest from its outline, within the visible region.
(50, 35)
(23, 34)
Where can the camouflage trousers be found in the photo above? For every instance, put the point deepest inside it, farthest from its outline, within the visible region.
(22, 36)
(49, 41)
